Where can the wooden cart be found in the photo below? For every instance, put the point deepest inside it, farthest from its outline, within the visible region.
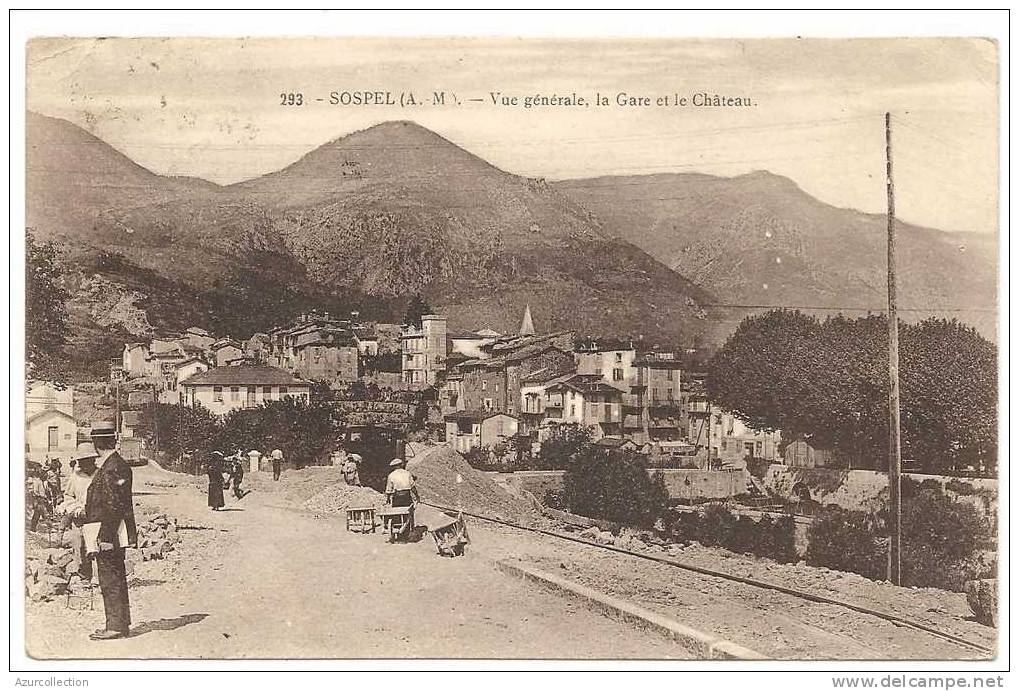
(361, 520)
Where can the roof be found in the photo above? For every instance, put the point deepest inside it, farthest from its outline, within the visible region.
(131, 418)
(43, 413)
(476, 415)
(326, 337)
(224, 342)
(257, 375)
(586, 383)
(613, 442)
(471, 335)
(514, 356)
(197, 331)
(191, 360)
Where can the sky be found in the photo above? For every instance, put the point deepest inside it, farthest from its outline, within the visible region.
(211, 108)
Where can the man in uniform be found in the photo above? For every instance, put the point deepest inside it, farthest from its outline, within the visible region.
(109, 503)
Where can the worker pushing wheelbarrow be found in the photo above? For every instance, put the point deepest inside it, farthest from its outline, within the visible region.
(401, 495)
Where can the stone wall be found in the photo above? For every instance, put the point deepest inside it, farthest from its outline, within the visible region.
(682, 483)
(867, 490)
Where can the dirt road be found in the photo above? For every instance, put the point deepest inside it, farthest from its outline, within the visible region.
(262, 582)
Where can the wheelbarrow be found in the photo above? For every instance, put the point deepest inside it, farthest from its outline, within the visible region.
(451, 540)
(398, 522)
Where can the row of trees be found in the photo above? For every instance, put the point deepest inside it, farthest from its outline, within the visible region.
(827, 382)
(305, 431)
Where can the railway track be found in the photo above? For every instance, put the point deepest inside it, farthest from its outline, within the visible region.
(894, 619)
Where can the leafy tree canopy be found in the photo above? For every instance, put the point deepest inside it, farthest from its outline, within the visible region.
(827, 382)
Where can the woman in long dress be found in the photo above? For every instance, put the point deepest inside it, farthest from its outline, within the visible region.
(215, 470)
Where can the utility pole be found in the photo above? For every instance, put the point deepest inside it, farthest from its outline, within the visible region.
(155, 425)
(894, 441)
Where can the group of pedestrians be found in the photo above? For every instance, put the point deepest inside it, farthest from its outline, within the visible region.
(43, 490)
(97, 508)
(227, 472)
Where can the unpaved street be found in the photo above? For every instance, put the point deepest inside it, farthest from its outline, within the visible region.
(263, 582)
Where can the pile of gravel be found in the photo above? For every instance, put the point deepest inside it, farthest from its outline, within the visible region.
(337, 498)
(445, 478)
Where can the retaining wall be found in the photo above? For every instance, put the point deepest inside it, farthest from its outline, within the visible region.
(681, 483)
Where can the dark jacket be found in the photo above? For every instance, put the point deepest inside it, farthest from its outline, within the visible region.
(110, 501)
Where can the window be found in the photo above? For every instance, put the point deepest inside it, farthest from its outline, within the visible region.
(608, 411)
(235, 393)
(757, 448)
(573, 410)
(484, 385)
(266, 391)
(619, 357)
(283, 391)
(617, 374)
(217, 394)
(668, 374)
(488, 404)
(724, 444)
(499, 427)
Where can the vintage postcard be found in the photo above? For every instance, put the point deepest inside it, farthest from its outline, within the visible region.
(511, 348)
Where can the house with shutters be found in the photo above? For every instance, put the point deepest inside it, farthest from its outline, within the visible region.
(495, 383)
(222, 389)
(469, 430)
(585, 400)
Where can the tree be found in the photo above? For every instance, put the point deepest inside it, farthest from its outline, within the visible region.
(747, 375)
(415, 310)
(565, 443)
(827, 382)
(181, 429)
(45, 312)
(614, 484)
(305, 432)
(949, 392)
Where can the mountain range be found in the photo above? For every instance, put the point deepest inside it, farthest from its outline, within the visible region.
(371, 218)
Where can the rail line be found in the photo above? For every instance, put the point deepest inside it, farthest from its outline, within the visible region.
(812, 597)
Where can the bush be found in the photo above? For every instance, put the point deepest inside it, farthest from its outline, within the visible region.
(939, 536)
(718, 526)
(846, 541)
(940, 540)
(614, 485)
(555, 499)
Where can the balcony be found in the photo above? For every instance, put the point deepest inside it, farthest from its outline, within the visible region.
(632, 400)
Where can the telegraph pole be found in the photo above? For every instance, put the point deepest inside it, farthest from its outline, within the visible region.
(894, 441)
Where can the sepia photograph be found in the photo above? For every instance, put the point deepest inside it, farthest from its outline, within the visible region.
(506, 348)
